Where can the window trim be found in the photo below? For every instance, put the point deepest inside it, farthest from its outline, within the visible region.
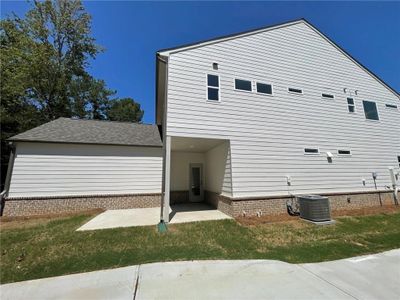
(328, 98)
(310, 153)
(213, 87)
(265, 94)
(343, 154)
(239, 90)
(377, 111)
(348, 105)
(295, 93)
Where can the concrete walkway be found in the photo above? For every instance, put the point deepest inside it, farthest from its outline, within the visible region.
(181, 213)
(365, 277)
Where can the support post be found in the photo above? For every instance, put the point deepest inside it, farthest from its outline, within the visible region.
(167, 180)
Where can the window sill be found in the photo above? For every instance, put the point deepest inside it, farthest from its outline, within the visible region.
(244, 91)
(373, 121)
(264, 94)
(213, 101)
(294, 93)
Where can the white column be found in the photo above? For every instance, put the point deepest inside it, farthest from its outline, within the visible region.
(167, 180)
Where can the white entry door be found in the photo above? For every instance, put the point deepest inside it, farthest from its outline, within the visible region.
(196, 193)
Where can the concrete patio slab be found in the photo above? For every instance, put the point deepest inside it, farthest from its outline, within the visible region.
(123, 218)
(193, 212)
(108, 284)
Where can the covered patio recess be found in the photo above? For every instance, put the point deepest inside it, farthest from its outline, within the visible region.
(195, 170)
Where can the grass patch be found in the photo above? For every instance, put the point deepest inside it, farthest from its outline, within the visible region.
(52, 247)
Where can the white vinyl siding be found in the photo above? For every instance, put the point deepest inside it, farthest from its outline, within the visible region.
(42, 169)
(180, 162)
(267, 137)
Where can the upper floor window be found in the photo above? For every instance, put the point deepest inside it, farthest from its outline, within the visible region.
(370, 110)
(344, 152)
(393, 106)
(264, 88)
(350, 105)
(398, 159)
(327, 96)
(243, 85)
(212, 87)
(311, 151)
(295, 91)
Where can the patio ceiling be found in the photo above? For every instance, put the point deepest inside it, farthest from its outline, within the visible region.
(188, 144)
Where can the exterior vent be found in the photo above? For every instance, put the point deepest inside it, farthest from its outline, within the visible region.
(314, 208)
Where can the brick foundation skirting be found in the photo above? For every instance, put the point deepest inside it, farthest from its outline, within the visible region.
(220, 202)
(231, 206)
(53, 205)
(277, 205)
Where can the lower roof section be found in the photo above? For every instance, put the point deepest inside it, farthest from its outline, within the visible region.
(78, 131)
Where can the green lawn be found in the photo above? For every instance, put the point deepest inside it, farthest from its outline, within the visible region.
(52, 247)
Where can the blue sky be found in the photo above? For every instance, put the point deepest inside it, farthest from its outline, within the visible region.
(131, 33)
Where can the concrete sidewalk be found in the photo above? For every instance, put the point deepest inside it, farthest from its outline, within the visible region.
(366, 277)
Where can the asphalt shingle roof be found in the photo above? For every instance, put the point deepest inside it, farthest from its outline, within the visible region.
(64, 130)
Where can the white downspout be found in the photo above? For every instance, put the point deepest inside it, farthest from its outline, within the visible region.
(394, 184)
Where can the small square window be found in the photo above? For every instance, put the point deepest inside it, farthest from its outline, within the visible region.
(244, 85)
(370, 110)
(264, 88)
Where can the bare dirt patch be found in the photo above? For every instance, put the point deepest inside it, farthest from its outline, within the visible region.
(254, 221)
(28, 221)
(296, 221)
(366, 211)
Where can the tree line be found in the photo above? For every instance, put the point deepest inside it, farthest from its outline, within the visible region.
(44, 59)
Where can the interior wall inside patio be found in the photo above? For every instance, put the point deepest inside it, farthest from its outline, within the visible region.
(215, 176)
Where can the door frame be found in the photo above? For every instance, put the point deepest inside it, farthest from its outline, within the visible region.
(193, 198)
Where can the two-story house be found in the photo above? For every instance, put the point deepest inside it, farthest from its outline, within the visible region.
(245, 122)
(253, 118)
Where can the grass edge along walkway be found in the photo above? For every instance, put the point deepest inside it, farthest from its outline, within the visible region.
(51, 247)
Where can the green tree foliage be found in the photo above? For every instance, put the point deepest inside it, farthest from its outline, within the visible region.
(44, 59)
(125, 110)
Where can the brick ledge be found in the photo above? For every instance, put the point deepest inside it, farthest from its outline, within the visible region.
(80, 196)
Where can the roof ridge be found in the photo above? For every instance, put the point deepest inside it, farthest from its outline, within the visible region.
(105, 121)
(233, 35)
